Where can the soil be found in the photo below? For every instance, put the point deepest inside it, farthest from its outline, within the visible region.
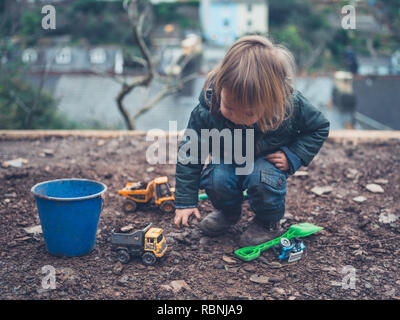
(356, 240)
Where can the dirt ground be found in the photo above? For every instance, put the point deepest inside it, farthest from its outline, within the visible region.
(359, 239)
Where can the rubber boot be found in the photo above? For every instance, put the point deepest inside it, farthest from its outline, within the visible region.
(260, 232)
(219, 221)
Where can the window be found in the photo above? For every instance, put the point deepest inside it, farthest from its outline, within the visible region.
(249, 7)
(29, 55)
(64, 56)
(97, 56)
(249, 23)
(226, 22)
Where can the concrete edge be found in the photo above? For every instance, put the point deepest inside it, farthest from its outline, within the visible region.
(335, 135)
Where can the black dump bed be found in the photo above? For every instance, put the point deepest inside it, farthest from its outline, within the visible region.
(135, 239)
(128, 239)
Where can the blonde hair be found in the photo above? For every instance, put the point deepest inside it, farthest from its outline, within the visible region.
(257, 73)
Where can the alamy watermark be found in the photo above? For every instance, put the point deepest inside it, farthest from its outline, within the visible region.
(196, 146)
(349, 18)
(349, 278)
(49, 20)
(49, 280)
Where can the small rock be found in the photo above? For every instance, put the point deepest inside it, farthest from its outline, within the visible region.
(279, 291)
(321, 190)
(118, 267)
(375, 188)
(381, 181)
(10, 195)
(16, 163)
(178, 285)
(360, 199)
(127, 228)
(35, 230)
(101, 143)
(123, 280)
(249, 268)
(351, 173)
(387, 217)
(150, 169)
(277, 278)
(288, 215)
(259, 279)
(228, 259)
(48, 152)
(367, 285)
(300, 173)
(274, 265)
(219, 266)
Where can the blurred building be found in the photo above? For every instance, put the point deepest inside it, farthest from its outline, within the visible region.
(66, 59)
(223, 21)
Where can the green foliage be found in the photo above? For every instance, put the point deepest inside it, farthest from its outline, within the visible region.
(21, 107)
(30, 23)
(169, 13)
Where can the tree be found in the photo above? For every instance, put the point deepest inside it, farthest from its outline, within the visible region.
(137, 11)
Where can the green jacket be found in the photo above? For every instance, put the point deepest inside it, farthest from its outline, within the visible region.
(300, 136)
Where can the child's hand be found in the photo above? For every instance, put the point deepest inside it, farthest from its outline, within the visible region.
(279, 160)
(182, 216)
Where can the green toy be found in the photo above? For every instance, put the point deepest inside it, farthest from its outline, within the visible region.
(295, 231)
(204, 196)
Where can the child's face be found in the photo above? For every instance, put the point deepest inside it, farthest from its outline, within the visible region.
(235, 112)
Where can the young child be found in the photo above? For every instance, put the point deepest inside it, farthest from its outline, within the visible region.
(253, 87)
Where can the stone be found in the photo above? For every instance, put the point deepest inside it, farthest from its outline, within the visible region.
(15, 163)
(176, 286)
(228, 259)
(279, 291)
(300, 173)
(34, 230)
(381, 181)
(127, 228)
(259, 279)
(375, 188)
(321, 190)
(360, 199)
(249, 268)
(387, 217)
(118, 267)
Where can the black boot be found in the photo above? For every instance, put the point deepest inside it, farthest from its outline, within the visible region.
(219, 221)
(260, 232)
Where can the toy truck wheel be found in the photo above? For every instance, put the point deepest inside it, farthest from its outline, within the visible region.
(129, 206)
(284, 242)
(123, 256)
(149, 258)
(167, 207)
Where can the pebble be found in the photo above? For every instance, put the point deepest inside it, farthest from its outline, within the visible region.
(375, 188)
(279, 291)
(259, 279)
(219, 266)
(360, 199)
(321, 190)
(249, 268)
(118, 267)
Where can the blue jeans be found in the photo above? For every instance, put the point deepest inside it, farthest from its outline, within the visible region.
(266, 189)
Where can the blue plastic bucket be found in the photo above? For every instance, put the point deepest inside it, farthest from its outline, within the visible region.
(69, 212)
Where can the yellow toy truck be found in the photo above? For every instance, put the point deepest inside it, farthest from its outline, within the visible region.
(157, 193)
(149, 244)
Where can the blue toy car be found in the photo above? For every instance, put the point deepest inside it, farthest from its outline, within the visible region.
(290, 250)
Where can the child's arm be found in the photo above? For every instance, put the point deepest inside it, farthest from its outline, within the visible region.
(187, 175)
(312, 128)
